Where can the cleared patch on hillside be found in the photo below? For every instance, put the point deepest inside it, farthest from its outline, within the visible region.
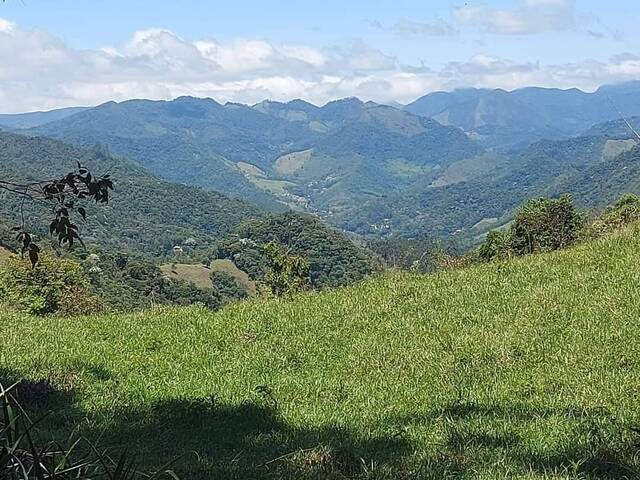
(613, 148)
(466, 170)
(485, 223)
(241, 277)
(199, 275)
(318, 127)
(276, 187)
(292, 162)
(404, 168)
(250, 170)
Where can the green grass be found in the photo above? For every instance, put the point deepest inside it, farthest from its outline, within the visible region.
(224, 265)
(524, 369)
(292, 162)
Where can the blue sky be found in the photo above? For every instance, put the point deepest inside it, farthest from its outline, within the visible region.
(86, 52)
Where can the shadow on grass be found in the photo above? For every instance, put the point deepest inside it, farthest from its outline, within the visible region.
(212, 440)
(479, 435)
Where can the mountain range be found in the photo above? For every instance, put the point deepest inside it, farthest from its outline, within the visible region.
(501, 120)
(450, 163)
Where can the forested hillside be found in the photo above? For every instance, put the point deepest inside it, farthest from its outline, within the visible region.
(469, 205)
(296, 154)
(149, 224)
(145, 215)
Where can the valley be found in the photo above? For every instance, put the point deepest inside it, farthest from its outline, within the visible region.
(359, 165)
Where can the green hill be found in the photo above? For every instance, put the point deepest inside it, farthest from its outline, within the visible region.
(493, 186)
(35, 119)
(523, 369)
(353, 147)
(145, 215)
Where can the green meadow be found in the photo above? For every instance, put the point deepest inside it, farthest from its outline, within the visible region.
(529, 368)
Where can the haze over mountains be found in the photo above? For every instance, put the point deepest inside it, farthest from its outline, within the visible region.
(502, 120)
(449, 162)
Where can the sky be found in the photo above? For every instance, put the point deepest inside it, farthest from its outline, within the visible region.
(58, 53)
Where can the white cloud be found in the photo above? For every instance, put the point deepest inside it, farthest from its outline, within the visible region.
(38, 71)
(411, 28)
(531, 16)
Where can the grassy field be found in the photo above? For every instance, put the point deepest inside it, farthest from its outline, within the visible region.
(524, 369)
(198, 275)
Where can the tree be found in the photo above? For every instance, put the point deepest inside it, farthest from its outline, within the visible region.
(64, 196)
(54, 285)
(545, 224)
(287, 273)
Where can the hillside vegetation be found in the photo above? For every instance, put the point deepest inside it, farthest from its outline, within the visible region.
(348, 147)
(444, 164)
(145, 215)
(526, 368)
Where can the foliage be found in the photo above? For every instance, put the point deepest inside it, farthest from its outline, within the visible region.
(497, 245)
(54, 285)
(130, 283)
(625, 212)
(227, 287)
(145, 216)
(61, 196)
(544, 224)
(334, 260)
(415, 254)
(540, 225)
(519, 369)
(286, 273)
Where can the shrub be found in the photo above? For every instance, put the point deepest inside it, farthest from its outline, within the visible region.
(497, 245)
(227, 287)
(625, 211)
(287, 273)
(55, 285)
(544, 224)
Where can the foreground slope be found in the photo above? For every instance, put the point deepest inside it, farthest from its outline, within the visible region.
(523, 369)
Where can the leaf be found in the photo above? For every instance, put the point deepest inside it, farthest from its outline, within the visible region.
(82, 212)
(34, 255)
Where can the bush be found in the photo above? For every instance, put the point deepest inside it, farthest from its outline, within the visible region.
(540, 225)
(497, 245)
(287, 273)
(55, 285)
(544, 224)
(625, 211)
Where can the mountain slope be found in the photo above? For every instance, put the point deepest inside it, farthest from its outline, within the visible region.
(502, 120)
(544, 168)
(237, 149)
(520, 369)
(35, 119)
(144, 215)
(189, 141)
(148, 217)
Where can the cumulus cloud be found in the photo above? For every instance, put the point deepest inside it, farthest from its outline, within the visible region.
(39, 71)
(532, 16)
